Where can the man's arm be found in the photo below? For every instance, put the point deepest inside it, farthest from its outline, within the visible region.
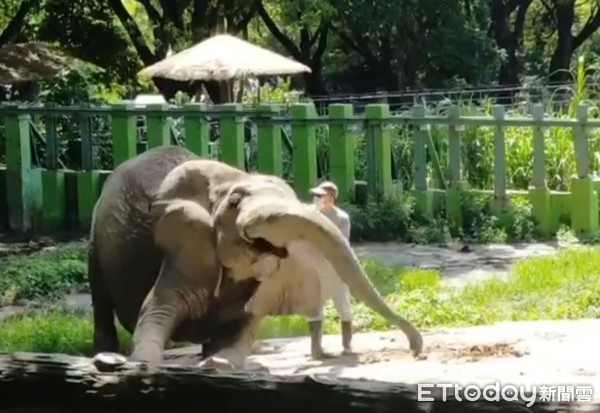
(345, 225)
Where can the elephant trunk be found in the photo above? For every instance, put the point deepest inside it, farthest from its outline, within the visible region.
(282, 223)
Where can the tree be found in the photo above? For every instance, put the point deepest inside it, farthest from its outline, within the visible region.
(509, 37)
(401, 43)
(14, 27)
(564, 15)
(308, 27)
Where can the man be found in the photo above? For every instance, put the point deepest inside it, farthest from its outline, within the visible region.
(324, 197)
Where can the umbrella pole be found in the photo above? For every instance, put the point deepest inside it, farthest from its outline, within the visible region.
(242, 82)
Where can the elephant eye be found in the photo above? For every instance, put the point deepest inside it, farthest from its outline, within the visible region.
(234, 199)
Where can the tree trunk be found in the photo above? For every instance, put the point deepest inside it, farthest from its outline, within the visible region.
(561, 58)
(52, 383)
(314, 83)
(510, 40)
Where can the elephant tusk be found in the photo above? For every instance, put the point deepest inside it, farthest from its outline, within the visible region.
(219, 279)
(245, 237)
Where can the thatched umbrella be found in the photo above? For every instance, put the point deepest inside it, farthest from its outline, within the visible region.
(23, 62)
(223, 58)
(22, 65)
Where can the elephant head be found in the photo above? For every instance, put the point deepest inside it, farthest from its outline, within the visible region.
(264, 210)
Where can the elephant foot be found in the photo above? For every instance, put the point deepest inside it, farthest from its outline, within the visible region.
(147, 354)
(226, 360)
(106, 361)
(216, 363)
(320, 354)
(348, 352)
(222, 364)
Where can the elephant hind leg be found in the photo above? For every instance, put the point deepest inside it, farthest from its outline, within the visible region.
(105, 332)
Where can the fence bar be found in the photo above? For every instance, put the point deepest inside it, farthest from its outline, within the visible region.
(54, 210)
(304, 138)
(124, 133)
(584, 199)
(232, 137)
(23, 182)
(539, 195)
(421, 132)
(270, 156)
(342, 146)
(379, 150)
(499, 201)
(197, 129)
(157, 125)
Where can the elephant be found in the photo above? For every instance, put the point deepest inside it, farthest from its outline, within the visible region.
(124, 262)
(194, 249)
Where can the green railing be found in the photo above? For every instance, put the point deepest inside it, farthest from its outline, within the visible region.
(40, 193)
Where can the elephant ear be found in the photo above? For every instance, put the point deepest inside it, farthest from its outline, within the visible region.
(281, 222)
(308, 236)
(184, 230)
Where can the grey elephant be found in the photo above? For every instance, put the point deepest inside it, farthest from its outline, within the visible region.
(192, 249)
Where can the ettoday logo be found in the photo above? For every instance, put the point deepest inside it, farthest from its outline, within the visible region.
(496, 392)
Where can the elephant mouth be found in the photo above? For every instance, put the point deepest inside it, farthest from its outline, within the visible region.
(262, 246)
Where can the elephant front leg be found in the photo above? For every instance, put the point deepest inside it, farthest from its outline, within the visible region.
(235, 356)
(157, 320)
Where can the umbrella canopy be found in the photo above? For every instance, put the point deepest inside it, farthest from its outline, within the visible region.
(223, 57)
(21, 62)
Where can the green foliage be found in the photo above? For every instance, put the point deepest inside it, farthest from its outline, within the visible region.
(90, 31)
(397, 218)
(54, 330)
(566, 285)
(47, 274)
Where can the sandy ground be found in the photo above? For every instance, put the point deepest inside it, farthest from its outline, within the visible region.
(519, 353)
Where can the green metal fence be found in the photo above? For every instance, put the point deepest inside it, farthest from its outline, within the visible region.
(49, 184)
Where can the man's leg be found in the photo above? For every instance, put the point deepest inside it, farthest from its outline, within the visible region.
(315, 326)
(341, 299)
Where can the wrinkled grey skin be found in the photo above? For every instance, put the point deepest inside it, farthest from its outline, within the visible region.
(124, 262)
(206, 215)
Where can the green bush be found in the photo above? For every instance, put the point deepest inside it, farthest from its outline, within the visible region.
(45, 274)
(396, 218)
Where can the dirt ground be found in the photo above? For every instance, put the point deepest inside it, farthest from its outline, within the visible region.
(518, 353)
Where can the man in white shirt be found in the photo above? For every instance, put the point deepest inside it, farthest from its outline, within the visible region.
(324, 197)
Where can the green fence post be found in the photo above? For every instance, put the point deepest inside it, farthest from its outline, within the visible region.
(124, 133)
(232, 136)
(24, 183)
(584, 199)
(3, 179)
(457, 186)
(423, 197)
(270, 159)
(342, 146)
(197, 129)
(157, 126)
(539, 195)
(499, 199)
(54, 210)
(379, 152)
(88, 179)
(304, 140)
